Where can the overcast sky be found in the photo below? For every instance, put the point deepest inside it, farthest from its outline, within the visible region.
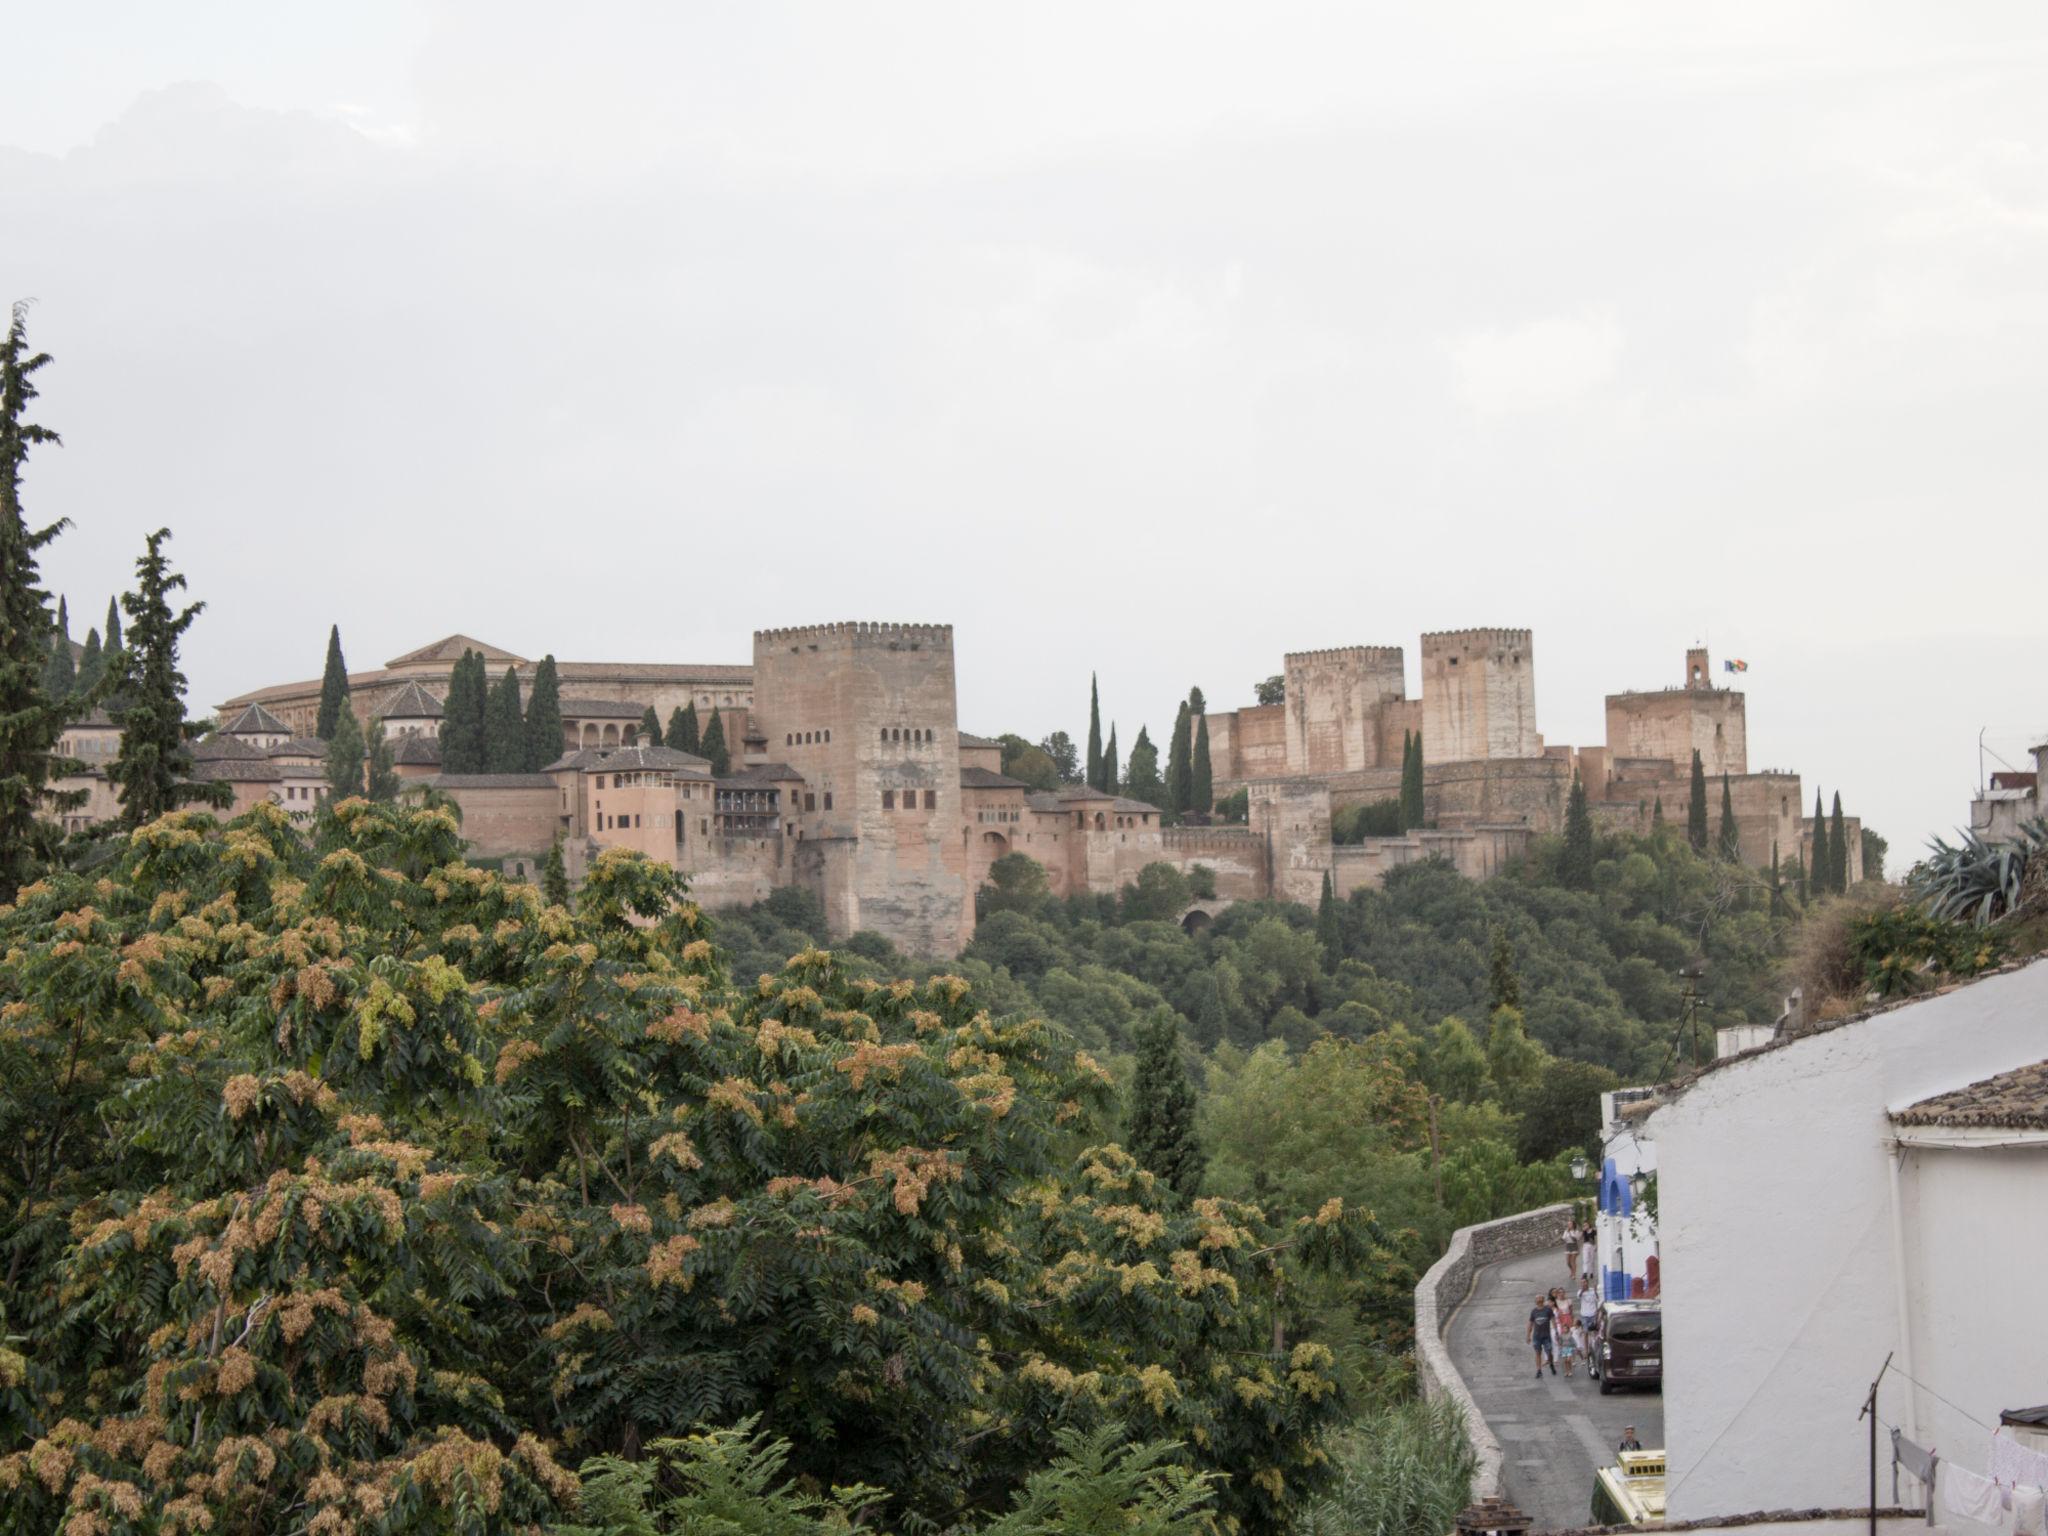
(1158, 340)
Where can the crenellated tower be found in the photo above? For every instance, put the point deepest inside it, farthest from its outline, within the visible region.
(1479, 695)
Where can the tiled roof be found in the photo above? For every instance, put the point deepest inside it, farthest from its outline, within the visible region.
(450, 649)
(1045, 800)
(975, 743)
(95, 718)
(236, 770)
(1081, 792)
(1125, 803)
(416, 749)
(256, 721)
(763, 773)
(988, 778)
(489, 781)
(412, 702)
(298, 746)
(222, 748)
(601, 709)
(622, 759)
(302, 770)
(2015, 1100)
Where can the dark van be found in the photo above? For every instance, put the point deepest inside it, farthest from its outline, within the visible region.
(1631, 1345)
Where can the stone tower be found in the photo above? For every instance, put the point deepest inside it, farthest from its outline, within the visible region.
(1699, 671)
(1333, 704)
(866, 713)
(1293, 817)
(1479, 695)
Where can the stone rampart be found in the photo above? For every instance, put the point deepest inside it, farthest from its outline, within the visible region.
(1439, 1294)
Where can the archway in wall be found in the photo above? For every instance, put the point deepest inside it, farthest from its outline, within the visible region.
(994, 845)
(590, 736)
(1196, 921)
(611, 736)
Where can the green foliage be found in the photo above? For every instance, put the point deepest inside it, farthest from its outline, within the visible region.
(690, 739)
(1159, 894)
(1355, 823)
(1111, 762)
(1979, 882)
(1455, 1066)
(92, 665)
(333, 687)
(30, 718)
(346, 756)
(383, 774)
(151, 770)
(1503, 981)
(1097, 778)
(1235, 808)
(1820, 873)
(1161, 1116)
(1201, 883)
(554, 876)
(650, 728)
(1202, 779)
(1059, 749)
(1028, 764)
(504, 726)
(1730, 847)
(672, 735)
(112, 640)
(1696, 806)
(60, 669)
(712, 747)
(1405, 1470)
(1141, 778)
(1272, 691)
(1329, 931)
(1514, 1063)
(463, 748)
(1180, 763)
(1838, 850)
(1016, 883)
(1904, 949)
(1874, 849)
(1575, 863)
(1411, 780)
(1562, 1111)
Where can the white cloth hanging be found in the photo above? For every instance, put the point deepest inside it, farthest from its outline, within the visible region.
(2029, 1510)
(2012, 1462)
(1976, 1499)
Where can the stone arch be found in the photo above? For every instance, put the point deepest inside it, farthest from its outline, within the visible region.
(610, 737)
(994, 844)
(590, 735)
(1101, 822)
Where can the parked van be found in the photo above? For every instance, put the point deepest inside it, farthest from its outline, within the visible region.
(1631, 1492)
(1630, 1348)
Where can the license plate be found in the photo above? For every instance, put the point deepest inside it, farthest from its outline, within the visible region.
(1650, 1360)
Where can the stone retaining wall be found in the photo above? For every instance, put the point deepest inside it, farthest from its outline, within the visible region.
(1449, 1282)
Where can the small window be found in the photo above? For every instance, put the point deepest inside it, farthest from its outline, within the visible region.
(885, 733)
(888, 799)
(828, 799)
(788, 740)
(931, 799)
(828, 736)
(810, 801)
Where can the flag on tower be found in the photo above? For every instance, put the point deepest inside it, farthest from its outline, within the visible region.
(1735, 666)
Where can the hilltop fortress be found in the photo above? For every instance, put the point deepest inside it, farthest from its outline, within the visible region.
(854, 780)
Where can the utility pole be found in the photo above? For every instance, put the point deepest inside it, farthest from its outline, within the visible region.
(1870, 1412)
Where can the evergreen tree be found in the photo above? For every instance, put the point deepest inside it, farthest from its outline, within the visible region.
(1513, 1060)
(1202, 797)
(543, 716)
(1575, 863)
(1656, 815)
(333, 687)
(151, 771)
(1329, 932)
(690, 740)
(1066, 757)
(1731, 833)
(1820, 866)
(1777, 881)
(1096, 778)
(112, 664)
(673, 736)
(60, 668)
(1803, 888)
(504, 726)
(1180, 763)
(650, 727)
(554, 877)
(462, 717)
(1838, 850)
(1161, 1133)
(1411, 780)
(92, 665)
(713, 746)
(383, 783)
(112, 639)
(1142, 780)
(345, 757)
(1503, 981)
(30, 719)
(1110, 760)
(1696, 807)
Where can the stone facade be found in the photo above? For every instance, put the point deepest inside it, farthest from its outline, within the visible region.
(1479, 695)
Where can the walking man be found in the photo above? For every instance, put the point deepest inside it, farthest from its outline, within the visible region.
(1629, 1442)
(1538, 1335)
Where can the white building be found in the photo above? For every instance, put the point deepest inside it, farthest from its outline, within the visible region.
(1868, 1187)
(1627, 1225)
(2014, 797)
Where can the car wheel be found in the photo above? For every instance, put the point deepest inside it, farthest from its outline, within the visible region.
(1606, 1387)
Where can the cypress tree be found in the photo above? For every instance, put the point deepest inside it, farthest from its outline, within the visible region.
(462, 717)
(112, 664)
(1180, 763)
(1411, 780)
(112, 638)
(1803, 894)
(1731, 834)
(673, 736)
(1096, 778)
(504, 726)
(1109, 778)
(1696, 808)
(543, 716)
(1503, 981)
(333, 687)
(554, 877)
(1820, 866)
(345, 755)
(1141, 774)
(30, 720)
(1656, 814)
(1838, 850)
(650, 728)
(151, 771)
(1575, 863)
(1202, 798)
(383, 783)
(91, 666)
(1777, 880)
(1161, 1124)
(713, 746)
(60, 670)
(1328, 932)
(690, 740)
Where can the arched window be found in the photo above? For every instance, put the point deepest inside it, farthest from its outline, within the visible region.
(788, 740)
(885, 733)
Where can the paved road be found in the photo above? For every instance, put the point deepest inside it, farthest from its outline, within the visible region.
(1554, 1433)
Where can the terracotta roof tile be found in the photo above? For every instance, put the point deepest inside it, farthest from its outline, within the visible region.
(988, 778)
(412, 702)
(2015, 1100)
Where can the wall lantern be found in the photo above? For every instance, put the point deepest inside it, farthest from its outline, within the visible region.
(1636, 1185)
(1579, 1166)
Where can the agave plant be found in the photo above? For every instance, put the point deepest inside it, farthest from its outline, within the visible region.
(1978, 882)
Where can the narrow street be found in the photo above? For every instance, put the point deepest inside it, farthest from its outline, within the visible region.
(1554, 1433)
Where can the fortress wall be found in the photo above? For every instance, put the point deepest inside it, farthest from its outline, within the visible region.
(1479, 695)
(1237, 855)
(498, 821)
(1397, 719)
(1292, 816)
(735, 871)
(1673, 722)
(1477, 853)
(1332, 705)
(1530, 789)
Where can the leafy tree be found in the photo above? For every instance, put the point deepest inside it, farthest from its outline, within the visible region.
(463, 749)
(1731, 832)
(1202, 882)
(1097, 778)
(1329, 932)
(1202, 789)
(30, 718)
(1874, 849)
(1028, 764)
(1503, 982)
(1411, 780)
(60, 669)
(1059, 747)
(543, 729)
(1696, 806)
(1161, 1117)
(1272, 691)
(1159, 893)
(1513, 1060)
(1180, 763)
(1016, 883)
(1377, 818)
(333, 687)
(554, 876)
(1110, 761)
(345, 757)
(151, 772)
(1562, 1114)
(1142, 781)
(92, 665)
(1838, 850)
(1235, 808)
(1656, 814)
(383, 773)
(1456, 1066)
(691, 739)
(650, 728)
(1404, 1467)
(1575, 862)
(712, 748)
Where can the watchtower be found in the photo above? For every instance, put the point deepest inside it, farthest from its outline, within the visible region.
(1333, 704)
(1699, 671)
(1479, 695)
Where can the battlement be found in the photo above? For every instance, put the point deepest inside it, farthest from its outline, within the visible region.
(1450, 639)
(1198, 838)
(1364, 653)
(857, 633)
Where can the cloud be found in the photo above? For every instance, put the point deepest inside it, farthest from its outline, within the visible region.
(1548, 364)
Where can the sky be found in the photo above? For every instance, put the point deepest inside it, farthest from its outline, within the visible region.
(1149, 340)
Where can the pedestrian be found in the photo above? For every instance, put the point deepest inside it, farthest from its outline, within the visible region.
(1572, 1240)
(1586, 1259)
(1589, 1301)
(1568, 1347)
(1629, 1442)
(1538, 1335)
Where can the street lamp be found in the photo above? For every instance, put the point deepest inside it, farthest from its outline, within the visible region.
(1636, 1185)
(1579, 1166)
